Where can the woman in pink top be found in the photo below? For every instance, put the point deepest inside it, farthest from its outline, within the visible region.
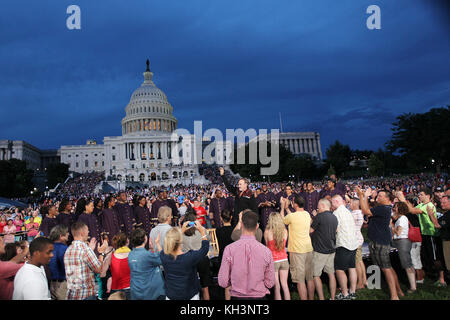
(276, 236)
(19, 224)
(32, 229)
(9, 230)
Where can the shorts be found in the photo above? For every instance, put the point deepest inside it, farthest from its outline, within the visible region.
(379, 254)
(281, 265)
(323, 262)
(446, 249)
(300, 265)
(415, 255)
(204, 272)
(432, 252)
(345, 259)
(358, 257)
(404, 252)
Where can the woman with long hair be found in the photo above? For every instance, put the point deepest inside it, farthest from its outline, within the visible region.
(402, 242)
(192, 240)
(110, 222)
(275, 237)
(180, 267)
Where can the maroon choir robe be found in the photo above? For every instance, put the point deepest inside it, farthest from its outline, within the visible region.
(216, 207)
(142, 215)
(161, 203)
(91, 221)
(110, 222)
(311, 201)
(126, 217)
(47, 225)
(264, 212)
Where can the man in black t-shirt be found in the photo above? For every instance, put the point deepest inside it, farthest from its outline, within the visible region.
(379, 234)
(444, 221)
(323, 238)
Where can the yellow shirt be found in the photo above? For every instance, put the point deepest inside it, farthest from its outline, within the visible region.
(36, 220)
(299, 224)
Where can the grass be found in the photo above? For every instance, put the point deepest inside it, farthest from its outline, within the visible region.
(426, 291)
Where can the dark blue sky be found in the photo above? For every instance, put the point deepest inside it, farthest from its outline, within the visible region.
(232, 64)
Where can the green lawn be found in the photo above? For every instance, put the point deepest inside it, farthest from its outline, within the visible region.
(426, 291)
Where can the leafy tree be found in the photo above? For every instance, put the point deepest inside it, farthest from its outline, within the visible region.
(331, 170)
(339, 156)
(376, 166)
(303, 167)
(15, 178)
(421, 138)
(57, 173)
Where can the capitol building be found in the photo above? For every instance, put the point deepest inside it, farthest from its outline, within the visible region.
(148, 151)
(144, 151)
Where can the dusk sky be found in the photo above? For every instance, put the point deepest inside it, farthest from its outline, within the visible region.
(231, 64)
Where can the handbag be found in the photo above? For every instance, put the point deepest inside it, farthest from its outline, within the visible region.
(414, 233)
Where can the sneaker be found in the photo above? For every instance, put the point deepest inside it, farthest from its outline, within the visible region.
(352, 295)
(419, 281)
(440, 284)
(340, 296)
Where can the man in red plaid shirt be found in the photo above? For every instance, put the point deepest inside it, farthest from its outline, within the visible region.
(81, 264)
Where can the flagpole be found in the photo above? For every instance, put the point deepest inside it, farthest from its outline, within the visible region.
(281, 123)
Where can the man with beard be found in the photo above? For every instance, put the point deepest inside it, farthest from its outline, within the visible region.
(125, 214)
(217, 206)
(244, 198)
(161, 202)
(266, 202)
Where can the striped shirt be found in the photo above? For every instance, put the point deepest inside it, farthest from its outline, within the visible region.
(359, 221)
(80, 263)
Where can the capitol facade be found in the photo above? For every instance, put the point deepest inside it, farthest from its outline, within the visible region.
(144, 152)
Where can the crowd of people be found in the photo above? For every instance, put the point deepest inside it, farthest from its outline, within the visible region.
(155, 244)
(80, 186)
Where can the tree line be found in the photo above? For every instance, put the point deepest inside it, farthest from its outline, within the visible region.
(419, 143)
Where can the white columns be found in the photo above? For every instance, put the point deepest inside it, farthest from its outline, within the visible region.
(296, 146)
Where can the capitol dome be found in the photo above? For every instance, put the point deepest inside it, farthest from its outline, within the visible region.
(148, 112)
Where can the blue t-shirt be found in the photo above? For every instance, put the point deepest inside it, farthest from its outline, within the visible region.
(378, 230)
(57, 270)
(182, 282)
(146, 280)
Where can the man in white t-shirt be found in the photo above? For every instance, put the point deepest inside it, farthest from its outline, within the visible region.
(346, 246)
(30, 282)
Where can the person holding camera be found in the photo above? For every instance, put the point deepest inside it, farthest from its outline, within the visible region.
(180, 268)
